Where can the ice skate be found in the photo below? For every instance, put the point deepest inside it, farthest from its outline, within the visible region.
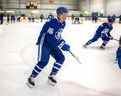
(30, 82)
(85, 46)
(102, 47)
(52, 81)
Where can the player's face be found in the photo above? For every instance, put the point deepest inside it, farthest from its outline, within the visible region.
(63, 17)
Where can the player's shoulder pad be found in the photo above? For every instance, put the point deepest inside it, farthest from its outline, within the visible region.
(51, 22)
(102, 25)
(47, 23)
(54, 20)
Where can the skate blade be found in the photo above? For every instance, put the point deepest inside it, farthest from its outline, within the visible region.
(84, 46)
(29, 85)
(51, 83)
(102, 48)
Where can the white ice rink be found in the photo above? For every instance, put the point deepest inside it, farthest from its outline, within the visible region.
(98, 75)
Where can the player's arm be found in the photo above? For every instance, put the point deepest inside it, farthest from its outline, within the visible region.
(55, 44)
(109, 35)
(62, 44)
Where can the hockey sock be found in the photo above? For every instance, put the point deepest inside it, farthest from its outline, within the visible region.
(55, 68)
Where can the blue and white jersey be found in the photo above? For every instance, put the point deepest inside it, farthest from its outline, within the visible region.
(51, 33)
(104, 30)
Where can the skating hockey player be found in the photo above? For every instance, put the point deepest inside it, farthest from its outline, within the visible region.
(103, 32)
(118, 54)
(51, 44)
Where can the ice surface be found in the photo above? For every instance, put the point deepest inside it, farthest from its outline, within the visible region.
(98, 75)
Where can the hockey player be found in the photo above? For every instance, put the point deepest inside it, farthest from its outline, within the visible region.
(94, 17)
(41, 17)
(118, 54)
(51, 44)
(72, 18)
(103, 32)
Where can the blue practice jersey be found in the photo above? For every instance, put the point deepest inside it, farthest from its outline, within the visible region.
(51, 33)
(104, 30)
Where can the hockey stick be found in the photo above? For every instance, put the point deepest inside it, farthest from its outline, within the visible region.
(115, 39)
(77, 59)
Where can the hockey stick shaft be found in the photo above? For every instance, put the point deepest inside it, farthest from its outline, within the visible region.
(115, 39)
(77, 59)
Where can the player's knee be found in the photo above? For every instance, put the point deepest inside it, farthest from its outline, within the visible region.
(60, 59)
(42, 64)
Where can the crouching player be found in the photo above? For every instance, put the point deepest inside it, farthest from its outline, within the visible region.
(102, 32)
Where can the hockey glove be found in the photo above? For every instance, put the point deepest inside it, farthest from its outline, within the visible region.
(66, 47)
